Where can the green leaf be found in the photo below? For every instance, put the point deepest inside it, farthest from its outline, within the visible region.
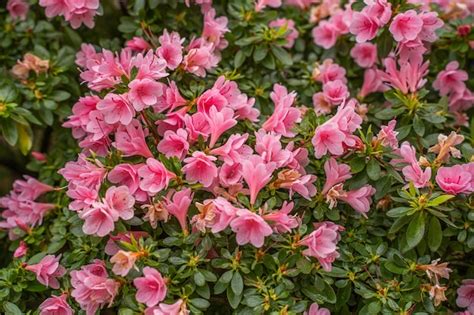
(435, 234)
(226, 276)
(199, 279)
(439, 200)
(384, 43)
(416, 230)
(269, 62)
(418, 126)
(11, 309)
(399, 212)
(358, 164)
(153, 3)
(282, 55)
(199, 303)
(239, 59)
(9, 131)
(392, 267)
(388, 113)
(234, 300)
(138, 6)
(260, 53)
(60, 96)
(125, 311)
(237, 283)
(373, 169)
(25, 140)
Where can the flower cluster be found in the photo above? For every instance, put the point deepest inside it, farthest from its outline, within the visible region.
(75, 12)
(267, 156)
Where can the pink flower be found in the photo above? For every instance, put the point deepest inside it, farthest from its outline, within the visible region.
(454, 180)
(219, 122)
(325, 34)
(289, 26)
(431, 22)
(461, 101)
(322, 243)
(138, 44)
(174, 121)
(314, 309)
(80, 115)
(408, 79)
(174, 144)
(127, 174)
(92, 288)
(54, 7)
(200, 58)
(211, 98)
(39, 156)
(372, 83)
(214, 28)
(239, 102)
(130, 139)
(359, 199)
(268, 146)
(328, 137)
(388, 136)
(47, 270)
(56, 305)
(116, 108)
(336, 134)
(21, 250)
(466, 295)
(280, 220)
(30, 189)
(250, 228)
(224, 213)
(123, 261)
(154, 176)
(121, 201)
(230, 174)
(150, 68)
(335, 174)
(261, 4)
(364, 54)
(451, 80)
(196, 126)
(364, 26)
(380, 9)
(18, 9)
(171, 49)
(144, 93)
(284, 116)
(233, 149)
(151, 288)
(178, 308)
(86, 55)
(329, 71)
(335, 92)
(256, 174)
(81, 12)
(170, 99)
(304, 185)
(98, 219)
(177, 204)
(406, 26)
(200, 168)
(413, 171)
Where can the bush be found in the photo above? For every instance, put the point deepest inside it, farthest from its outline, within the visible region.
(245, 157)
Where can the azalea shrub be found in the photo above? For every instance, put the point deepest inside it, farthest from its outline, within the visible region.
(238, 157)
